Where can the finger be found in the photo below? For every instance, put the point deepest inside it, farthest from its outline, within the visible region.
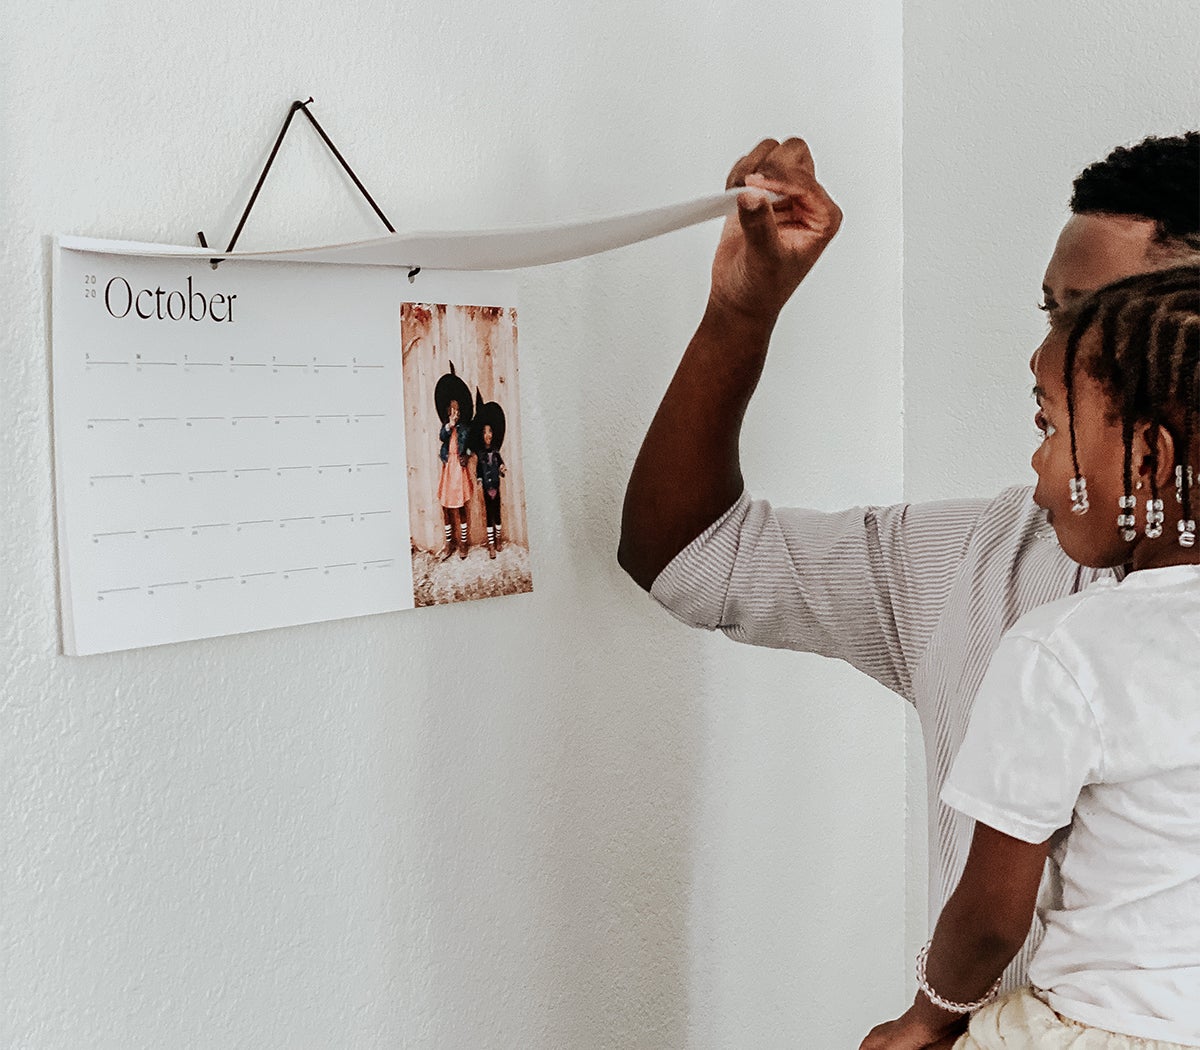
(757, 220)
(806, 202)
(786, 160)
(749, 163)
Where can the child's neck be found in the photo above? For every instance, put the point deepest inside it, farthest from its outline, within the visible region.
(1150, 554)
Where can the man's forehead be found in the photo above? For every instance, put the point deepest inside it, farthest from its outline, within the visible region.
(1095, 249)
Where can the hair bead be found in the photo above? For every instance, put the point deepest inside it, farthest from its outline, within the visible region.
(1126, 520)
(1079, 496)
(1154, 518)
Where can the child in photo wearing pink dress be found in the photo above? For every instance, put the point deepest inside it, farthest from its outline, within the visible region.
(454, 485)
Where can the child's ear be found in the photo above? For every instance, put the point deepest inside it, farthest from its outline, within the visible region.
(1154, 451)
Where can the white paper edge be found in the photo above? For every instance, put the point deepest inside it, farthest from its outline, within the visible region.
(66, 614)
(508, 248)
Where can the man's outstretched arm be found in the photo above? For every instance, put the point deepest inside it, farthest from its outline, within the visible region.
(686, 476)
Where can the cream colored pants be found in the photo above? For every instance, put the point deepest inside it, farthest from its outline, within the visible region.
(1021, 1021)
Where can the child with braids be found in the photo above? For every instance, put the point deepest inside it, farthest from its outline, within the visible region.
(1084, 741)
(454, 483)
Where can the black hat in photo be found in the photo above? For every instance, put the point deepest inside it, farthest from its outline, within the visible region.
(451, 388)
(489, 414)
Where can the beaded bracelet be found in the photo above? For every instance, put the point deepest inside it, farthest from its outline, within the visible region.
(945, 1004)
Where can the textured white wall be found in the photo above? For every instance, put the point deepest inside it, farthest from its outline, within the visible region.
(348, 835)
(1004, 104)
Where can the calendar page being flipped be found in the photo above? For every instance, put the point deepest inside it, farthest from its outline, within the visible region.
(272, 443)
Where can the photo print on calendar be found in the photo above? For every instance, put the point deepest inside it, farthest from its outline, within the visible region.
(466, 490)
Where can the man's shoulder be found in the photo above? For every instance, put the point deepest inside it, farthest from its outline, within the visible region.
(1082, 619)
(1011, 507)
(998, 533)
(1049, 624)
(1011, 531)
(1015, 528)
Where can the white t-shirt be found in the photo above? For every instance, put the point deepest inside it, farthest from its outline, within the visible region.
(1088, 720)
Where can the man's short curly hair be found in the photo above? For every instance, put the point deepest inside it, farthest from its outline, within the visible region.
(1158, 179)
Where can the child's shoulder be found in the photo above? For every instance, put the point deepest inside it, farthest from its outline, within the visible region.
(1112, 609)
(1083, 612)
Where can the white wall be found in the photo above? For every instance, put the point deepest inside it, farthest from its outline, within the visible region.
(1003, 105)
(328, 836)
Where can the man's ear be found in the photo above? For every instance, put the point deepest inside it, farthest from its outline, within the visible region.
(1154, 450)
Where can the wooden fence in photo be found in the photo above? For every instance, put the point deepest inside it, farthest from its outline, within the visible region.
(481, 341)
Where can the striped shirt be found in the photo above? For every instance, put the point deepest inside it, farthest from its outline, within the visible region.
(914, 595)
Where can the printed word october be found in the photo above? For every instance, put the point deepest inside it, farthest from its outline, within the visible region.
(120, 300)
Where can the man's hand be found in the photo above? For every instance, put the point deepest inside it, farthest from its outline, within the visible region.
(678, 488)
(766, 250)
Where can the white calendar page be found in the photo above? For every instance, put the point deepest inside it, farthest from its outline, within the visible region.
(230, 443)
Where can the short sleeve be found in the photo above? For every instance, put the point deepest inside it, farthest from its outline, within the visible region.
(867, 585)
(1031, 746)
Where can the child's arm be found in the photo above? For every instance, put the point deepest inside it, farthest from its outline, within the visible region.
(981, 928)
(1032, 744)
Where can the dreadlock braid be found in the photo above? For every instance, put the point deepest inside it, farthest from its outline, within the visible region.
(1189, 357)
(1083, 321)
(1147, 358)
(1159, 371)
(1135, 392)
